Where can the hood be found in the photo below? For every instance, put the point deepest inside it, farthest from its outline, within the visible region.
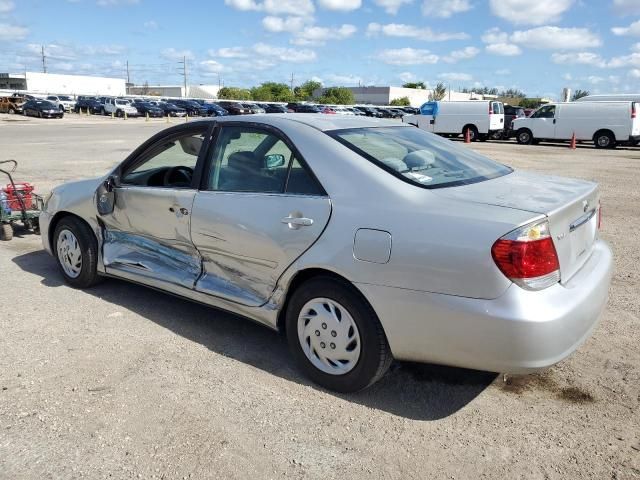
(521, 190)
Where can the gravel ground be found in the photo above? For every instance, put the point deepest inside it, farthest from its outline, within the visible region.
(124, 382)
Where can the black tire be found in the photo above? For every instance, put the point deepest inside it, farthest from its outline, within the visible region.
(11, 111)
(375, 355)
(524, 136)
(604, 139)
(88, 275)
(473, 133)
(6, 232)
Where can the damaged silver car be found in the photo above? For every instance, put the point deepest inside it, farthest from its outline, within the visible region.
(361, 239)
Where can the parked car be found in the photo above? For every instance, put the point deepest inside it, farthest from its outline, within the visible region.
(304, 108)
(356, 111)
(327, 110)
(170, 109)
(385, 112)
(397, 112)
(91, 105)
(119, 107)
(11, 104)
(64, 102)
(603, 123)
(193, 109)
(214, 110)
(274, 222)
(478, 118)
(371, 112)
(147, 108)
(275, 108)
(254, 108)
(341, 110)
(42, 109)
(234, 108)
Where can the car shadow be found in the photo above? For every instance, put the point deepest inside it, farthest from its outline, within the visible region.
(410, 390)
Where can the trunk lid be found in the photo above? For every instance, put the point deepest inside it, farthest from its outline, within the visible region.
(570, 205)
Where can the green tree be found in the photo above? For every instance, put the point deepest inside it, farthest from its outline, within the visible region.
(530, 102)
(439, 92)
(579, 94)
(234, 93)
(337, 96)
(305, 91)
(272, 92)
(401, 102)
(419, 85)
(512, 93)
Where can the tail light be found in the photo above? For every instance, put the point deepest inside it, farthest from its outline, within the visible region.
(490, 108)
(633, 110)
(528, 257)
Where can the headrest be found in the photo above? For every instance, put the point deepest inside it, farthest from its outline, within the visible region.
(419, 159)
(245, 160)
(395, 163)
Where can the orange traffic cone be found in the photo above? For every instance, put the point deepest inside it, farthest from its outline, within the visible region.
(572, 145)
(467, 136)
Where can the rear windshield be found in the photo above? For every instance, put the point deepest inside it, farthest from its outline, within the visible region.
(418, 157)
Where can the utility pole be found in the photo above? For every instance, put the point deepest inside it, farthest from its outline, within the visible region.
(128, 79)
(184, 73)
(292, 81)
(44, 60)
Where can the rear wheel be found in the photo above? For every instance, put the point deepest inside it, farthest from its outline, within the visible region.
(473, 133)
(524, 136)
(604, 139)
(335, 336)
(76, 250)
(6, 232)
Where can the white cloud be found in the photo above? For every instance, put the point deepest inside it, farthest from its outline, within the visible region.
(634, 73)
(495, 35)
(632, 60)
(6, 6)
(335, 79)
(626, 7)
(175, 55)
(503, 71)
(407, 77)
(63, 66)
(12, 32)
(411, 31)
(579, 58)
(392, 6)
(229, 52)
(292, 55)
(320, 35)
(595, 80)
(288, 24)
(556, 38)
(115, 3)
(343, 5)
(150, 25)
(211, 67)
(275, 7)
(463, 54)
(503, 49)
(407, 56)
(456, 77)
(567, 77)
(632, 30)
(444, 8)
(527, 12)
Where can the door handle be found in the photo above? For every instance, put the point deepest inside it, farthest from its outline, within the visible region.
(554, 121)
(296, 222)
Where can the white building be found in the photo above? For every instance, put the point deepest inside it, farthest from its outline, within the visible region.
(384, 95)
(175, 91)
(53, 83)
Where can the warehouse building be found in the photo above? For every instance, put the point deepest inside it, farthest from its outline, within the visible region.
(45, 83)
(175, 91)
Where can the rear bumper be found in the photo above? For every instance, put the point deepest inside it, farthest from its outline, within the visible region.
(519, 332)
(634, 138)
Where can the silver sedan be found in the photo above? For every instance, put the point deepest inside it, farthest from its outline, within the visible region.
(361, 239)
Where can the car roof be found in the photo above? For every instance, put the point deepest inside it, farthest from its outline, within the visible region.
(318, 121)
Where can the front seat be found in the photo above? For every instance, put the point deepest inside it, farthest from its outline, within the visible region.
(245, 173)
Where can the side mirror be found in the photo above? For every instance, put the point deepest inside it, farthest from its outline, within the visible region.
(105, 196)
(274, 160)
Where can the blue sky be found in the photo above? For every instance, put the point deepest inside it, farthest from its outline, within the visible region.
(538, 46)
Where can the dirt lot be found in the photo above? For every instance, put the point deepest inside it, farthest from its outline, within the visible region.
(125, 382)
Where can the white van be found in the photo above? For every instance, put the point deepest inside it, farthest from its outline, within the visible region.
(614, 97)
(481, 118)
(604, 123)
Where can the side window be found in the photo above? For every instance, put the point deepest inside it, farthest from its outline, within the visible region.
(170, 163)
(301, 181)
(545, 112)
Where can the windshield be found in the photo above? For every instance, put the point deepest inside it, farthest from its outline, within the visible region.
(418, 157)
(122, 102)
(65, 98)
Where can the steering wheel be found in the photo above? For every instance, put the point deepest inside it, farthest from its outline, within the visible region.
(179, 176)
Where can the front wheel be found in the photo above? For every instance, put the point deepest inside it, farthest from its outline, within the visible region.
(6, 232)
(472, 132)
(76, 250)
(335, 336)
(604, 140)
(524, 137)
